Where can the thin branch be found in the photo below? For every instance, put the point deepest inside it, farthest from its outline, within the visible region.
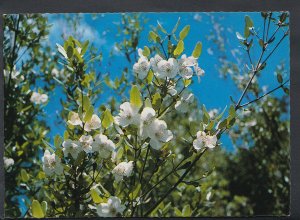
(267, 93)
(177, 183)
(284, 36)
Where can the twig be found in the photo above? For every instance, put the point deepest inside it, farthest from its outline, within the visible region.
(176, 184)
(267, 93)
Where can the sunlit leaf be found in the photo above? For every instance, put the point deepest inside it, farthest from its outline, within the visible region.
(107, 119)
(197, 50)
(179, 48)
(184, 32)
(135, 97)
(37, 210)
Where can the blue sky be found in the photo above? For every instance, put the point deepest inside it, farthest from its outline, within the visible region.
(213, 91)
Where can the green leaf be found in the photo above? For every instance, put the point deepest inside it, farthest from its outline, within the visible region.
(148, 103)
(156, 101)
(37, 210)
(186, 211)
(150, 77)
(279, 78)
(44, 207)
(176, 26)
(232, 111)
(221, 115)
(283, 17)
(248, 24)
(248, 21)
(261, 43)
(136, 191)
(154, 36)
(70, 52)
(223, 124)
(177, 212)
(59, 152)
(262, 66)
(187, 82)
(66, 135)
(95, 196)
(89, 113)
(57, 141)
(210, 125)
(206, 116)
(135, 97)
(184, 32)
(179, 48)
(160, 27)
(84, 47)
(197, 50)
(24, 175)
(230, 121)
(107, 119)
(86, 103)
(146, 51)
(286, 90)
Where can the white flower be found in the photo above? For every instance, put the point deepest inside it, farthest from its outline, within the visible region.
(167, 68)
(141, 68)
(74, 119)
(8, 163)
(128, 115)
(199, 72)
(208, 196)
(38, 98)
(186, 72)
(93, 123)
(122, 169)
(158, 133)
(71, 147)
(61, 75)
(55, 72)
(213, 113)
(197, 17)
(147, 117)
(172, 91)
(204, 140)
(103, 145)
(154, 61)
(182, 105)
(86, 142)
(187, 61)
(52, 164)
(111, 208)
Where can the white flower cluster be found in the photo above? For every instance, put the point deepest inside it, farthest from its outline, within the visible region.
(38, 98)
(204, 140)
(100, 143)
(123, 169)
(52, 164)
(111, 208)
(8, 163)
(149, 126)
(60, 74)
(185, 67)
(92, 124)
